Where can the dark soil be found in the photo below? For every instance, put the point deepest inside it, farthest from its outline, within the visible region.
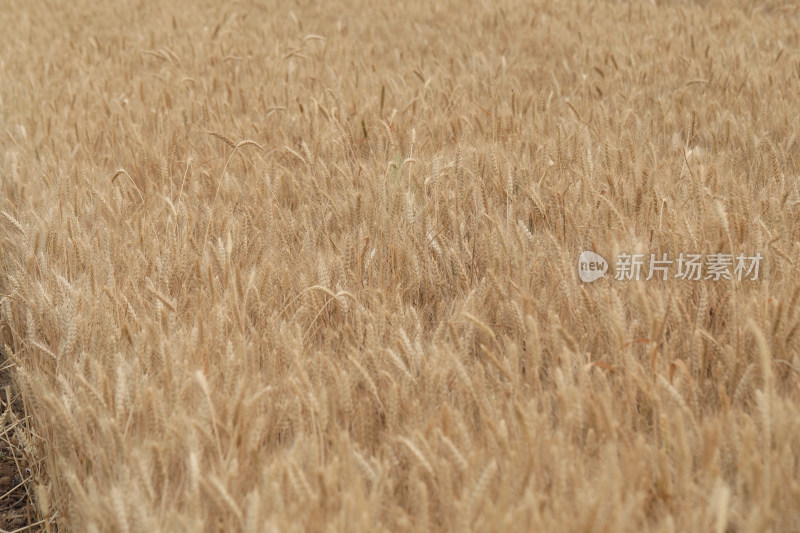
(17, 511)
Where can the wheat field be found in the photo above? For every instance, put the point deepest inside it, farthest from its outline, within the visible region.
(290, 266)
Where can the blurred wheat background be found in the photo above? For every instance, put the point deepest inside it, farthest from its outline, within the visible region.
(291, 266)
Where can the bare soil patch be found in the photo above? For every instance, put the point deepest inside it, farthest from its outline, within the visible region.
(17, 511)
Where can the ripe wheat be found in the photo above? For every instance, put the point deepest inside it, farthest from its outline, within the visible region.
(291, 268)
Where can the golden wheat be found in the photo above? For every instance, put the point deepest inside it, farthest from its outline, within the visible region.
(357, 309)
